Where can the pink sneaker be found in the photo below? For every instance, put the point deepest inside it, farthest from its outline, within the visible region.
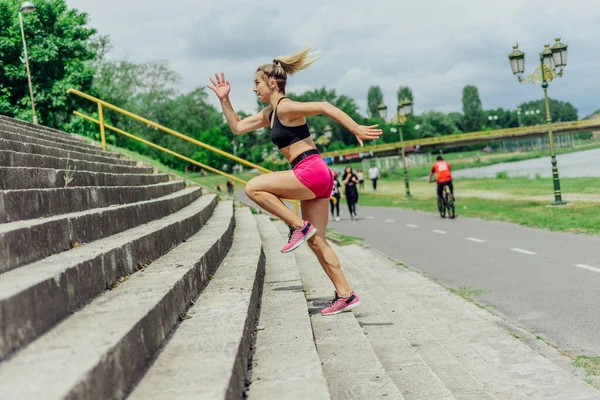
(341, 304)
(298, 236)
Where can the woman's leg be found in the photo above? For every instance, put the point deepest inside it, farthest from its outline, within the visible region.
(267, 190)
(337, 206)
(315, 212)
(349, 202)
(332, 206)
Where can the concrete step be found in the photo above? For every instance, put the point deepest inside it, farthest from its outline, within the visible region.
(103, 349)
(17, 137)
(407, 369)
(24, 242)
(40, 131)
(349, 363)
(17, 205)
(462, 381)
(14, 178)
(35, 297)
(285, 363)
(57, 151)
(207, 357)
(507, 368)
(17, 159)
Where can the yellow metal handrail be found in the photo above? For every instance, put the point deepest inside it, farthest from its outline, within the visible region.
(103, 126)
(495, 134)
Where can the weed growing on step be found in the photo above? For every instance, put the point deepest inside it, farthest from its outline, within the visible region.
(183, 317)
(118, 281)
(592, 384)
(515, 336)
(590, 364)
(343, 240)
(70, 173)
(468, 292)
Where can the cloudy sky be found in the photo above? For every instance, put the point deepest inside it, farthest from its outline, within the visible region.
(434, 46)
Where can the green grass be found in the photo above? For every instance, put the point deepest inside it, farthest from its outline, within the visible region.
(531, 187)
(342, 240)
(590, 364)
(469, 291)
(575, 217)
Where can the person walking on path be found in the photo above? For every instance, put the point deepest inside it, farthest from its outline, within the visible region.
(337, 195)
(310, 180)
(230, 187)
(350, 181)
(361, 179)
(374, 175)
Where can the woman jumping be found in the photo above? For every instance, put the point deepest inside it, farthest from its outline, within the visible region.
(310, 180)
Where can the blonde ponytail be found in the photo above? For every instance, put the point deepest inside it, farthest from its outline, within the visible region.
(283, 66)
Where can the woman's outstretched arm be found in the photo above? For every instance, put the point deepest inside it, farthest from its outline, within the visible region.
(295, 109)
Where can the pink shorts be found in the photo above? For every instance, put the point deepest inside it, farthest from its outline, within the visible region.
(313, 173)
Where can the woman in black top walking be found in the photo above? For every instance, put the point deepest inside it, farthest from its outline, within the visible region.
(310, 179)
(350, 181)
(337, 195)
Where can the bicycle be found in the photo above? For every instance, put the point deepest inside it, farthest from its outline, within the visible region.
(447, 203)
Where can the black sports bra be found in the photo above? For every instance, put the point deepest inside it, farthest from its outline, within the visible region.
(283, 136)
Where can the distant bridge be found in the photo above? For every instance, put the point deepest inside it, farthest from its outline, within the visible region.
(468, 138)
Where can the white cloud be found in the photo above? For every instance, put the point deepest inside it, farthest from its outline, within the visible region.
(435, 47)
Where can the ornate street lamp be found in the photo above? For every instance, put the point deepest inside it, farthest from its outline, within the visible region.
(27, 8)
(553, 61)
(404, 110)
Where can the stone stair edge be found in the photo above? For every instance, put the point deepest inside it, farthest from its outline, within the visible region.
(89, 269)
(24, 242)
(127, 344)
(223, 355)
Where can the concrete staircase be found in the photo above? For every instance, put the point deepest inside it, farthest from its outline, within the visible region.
(116, 283)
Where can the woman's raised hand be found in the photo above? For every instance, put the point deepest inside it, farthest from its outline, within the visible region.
(363, 132)
(220, 87)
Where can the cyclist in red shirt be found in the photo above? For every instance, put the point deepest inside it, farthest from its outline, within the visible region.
(441, 169)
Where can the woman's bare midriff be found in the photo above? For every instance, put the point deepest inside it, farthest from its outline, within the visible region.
(295, 149)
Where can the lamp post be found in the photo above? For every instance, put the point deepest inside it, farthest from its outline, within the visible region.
(27, 8)
(403, 110)
(553, 60)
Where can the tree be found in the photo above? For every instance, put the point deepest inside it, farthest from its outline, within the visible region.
(472, 110)
(319, 122)
(404, 92)
(60, 49)
(435, 123)
(559, 110)
(374, 98)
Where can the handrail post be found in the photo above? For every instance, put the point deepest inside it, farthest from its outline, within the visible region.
(101, 119)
